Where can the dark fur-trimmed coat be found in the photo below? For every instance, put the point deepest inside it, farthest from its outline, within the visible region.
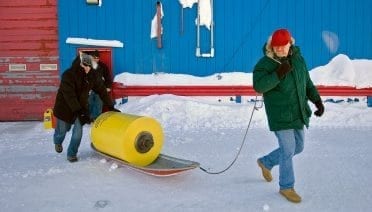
(74, 90)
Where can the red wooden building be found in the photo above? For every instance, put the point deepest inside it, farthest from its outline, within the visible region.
(29, 70)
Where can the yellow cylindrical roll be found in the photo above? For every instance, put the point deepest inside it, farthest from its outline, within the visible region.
(135, 139)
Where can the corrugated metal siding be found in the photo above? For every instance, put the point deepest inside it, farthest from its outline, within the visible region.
(241, 28)
(28, 38)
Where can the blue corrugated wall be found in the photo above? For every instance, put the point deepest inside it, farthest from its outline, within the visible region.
(241, 28)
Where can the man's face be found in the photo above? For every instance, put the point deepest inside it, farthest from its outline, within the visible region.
(282, 51)
(95, 62)
(95, 58)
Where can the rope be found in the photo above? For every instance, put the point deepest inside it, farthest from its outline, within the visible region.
(255, 107)
(248, 34)
(255, 23)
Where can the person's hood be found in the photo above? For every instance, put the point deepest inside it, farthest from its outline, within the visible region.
(268, 49)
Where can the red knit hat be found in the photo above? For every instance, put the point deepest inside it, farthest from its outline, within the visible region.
(280, 37)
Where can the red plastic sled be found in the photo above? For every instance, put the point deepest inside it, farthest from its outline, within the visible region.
(163, 166)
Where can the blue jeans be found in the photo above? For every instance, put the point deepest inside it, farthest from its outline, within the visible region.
(95, 105)
(291, 142)
(77, 132)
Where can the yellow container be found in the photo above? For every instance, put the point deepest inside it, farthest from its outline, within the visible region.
(135, 139)
(48, 119)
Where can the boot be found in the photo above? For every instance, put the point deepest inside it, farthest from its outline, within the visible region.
(72, 158)
(291, 195)
(266, 173)
(58, 148)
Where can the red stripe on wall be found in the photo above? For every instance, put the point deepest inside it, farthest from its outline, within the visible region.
(120, 90)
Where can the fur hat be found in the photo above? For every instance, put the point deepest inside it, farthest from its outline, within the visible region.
(86, 59)
(281, 37)
(95, 53)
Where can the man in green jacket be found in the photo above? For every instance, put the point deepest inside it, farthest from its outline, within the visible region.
(282, 77)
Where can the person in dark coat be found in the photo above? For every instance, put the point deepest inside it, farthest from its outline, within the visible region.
(71, 104)
(95, 102)
(282, 77)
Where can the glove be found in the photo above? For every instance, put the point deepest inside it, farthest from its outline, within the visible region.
(283, 69)
(320, 108)
(83, 116)
(111, 108)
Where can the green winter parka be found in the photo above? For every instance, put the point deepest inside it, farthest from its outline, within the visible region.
(286, 99)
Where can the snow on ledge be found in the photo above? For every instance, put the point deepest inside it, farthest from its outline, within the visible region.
(94, 42)
(340, 71)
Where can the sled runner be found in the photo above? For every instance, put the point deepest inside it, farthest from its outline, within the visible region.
(163, 166)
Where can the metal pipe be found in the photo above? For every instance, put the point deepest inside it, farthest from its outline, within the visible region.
(198, 32)
(159, 27)
(212, 30)
(120, 90)
(181, 21)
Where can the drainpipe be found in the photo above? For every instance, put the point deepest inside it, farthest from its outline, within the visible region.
(159, 27)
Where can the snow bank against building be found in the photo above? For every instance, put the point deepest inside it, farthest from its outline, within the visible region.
(340, 71)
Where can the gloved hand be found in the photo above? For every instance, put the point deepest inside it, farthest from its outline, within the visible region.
(111, 108)
(83, 116)
(320, 108)
(283, 69)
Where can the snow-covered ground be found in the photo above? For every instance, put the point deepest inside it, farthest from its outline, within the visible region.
(332, 174)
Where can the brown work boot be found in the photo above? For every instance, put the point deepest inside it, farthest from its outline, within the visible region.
(58, 148)
(72, 159)
(266, 173)
(291, 195)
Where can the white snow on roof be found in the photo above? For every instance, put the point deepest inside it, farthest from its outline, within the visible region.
(95, 42)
